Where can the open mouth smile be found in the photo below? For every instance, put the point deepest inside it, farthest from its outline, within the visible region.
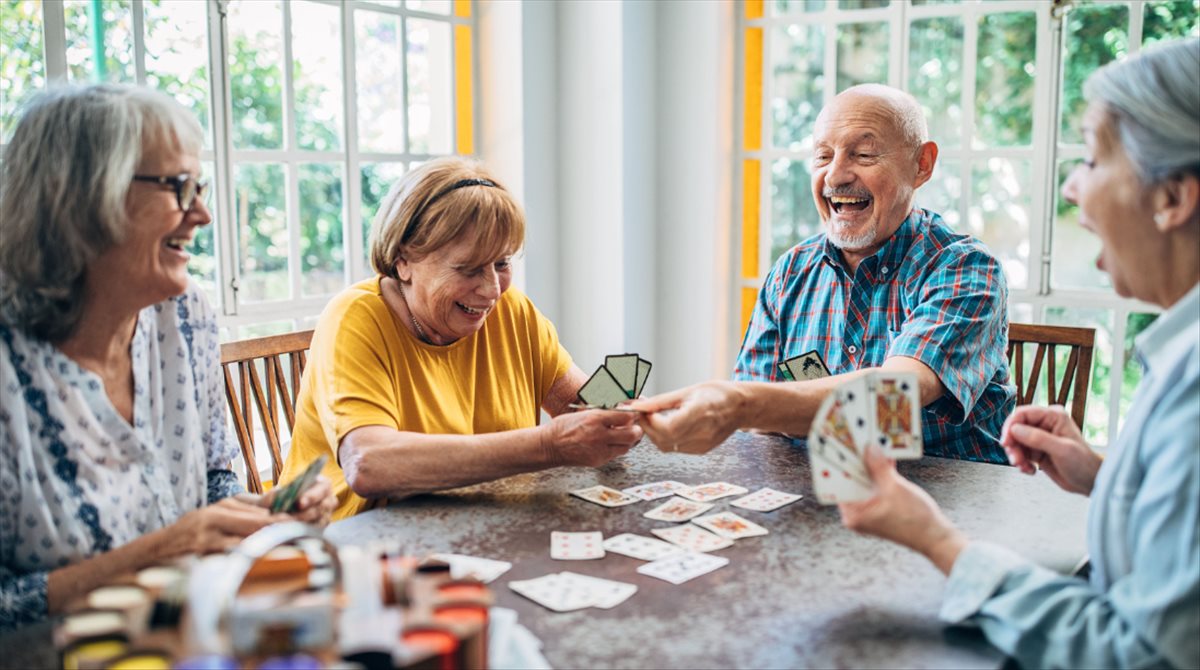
(845, 204)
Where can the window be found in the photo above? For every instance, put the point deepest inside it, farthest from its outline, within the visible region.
(1000, 84)
(317, 107)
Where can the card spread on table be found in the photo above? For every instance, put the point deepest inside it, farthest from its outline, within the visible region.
(485, 570)
(619, 380)
(603, 495)
(682, 567)
(568, 591)
(692, 538)
(805, 367)
(677, 509)
(765, 500)
(640, 547)
(730, 525)
(576, 546)
(712, 491)
(881, 408)
(655, 490)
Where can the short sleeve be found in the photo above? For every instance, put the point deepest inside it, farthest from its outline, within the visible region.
(760, 347)
(554, 361)
(958, 327)
(353, 375)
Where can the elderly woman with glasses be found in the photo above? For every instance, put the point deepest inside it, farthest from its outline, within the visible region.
(114, 453)
(432, 374)
(1139, 191)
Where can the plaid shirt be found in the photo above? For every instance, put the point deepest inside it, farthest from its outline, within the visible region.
(928, 294)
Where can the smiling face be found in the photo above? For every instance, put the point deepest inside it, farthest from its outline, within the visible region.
(150, 264)
(449, 294)
(865, 171)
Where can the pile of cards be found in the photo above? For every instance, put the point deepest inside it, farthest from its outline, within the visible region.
(568, 591)
(619, 380)
(884, 409)
(805, 367)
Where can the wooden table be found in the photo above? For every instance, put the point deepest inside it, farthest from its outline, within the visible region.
(810, 594)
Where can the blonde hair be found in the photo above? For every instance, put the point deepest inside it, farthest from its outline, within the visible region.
(431, 207)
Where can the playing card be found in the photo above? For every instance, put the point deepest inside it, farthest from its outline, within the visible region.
(765, 500)
(555, 592)
(730, 525)
(288, 496)
(692, 538)
(462, 566)
(806, 366)
(896, 418)
(605, 593)
(624, 369)
(832, 485)
(679, 569)
(576, 546)
(656, 490)
(677, 509)
(640, 547)
(849, 416)
(643, 373)
(602, 390)
(712, 491)
(603, 495)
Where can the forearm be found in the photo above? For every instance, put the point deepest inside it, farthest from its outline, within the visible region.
(380, 462)
(74, 581)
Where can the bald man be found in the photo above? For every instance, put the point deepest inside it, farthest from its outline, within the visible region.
(885, 286)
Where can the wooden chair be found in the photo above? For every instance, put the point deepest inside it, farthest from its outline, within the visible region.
(268, 392)
(1074, 378)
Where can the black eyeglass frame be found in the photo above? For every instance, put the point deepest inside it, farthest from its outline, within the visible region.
(178, 182)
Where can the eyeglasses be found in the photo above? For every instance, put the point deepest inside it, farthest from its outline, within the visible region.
(187, 189)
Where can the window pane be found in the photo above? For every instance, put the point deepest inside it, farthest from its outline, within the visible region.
(377, 179)
(1074, 250)
(1095, 35)
(1135, 323)
(203, 263)
(116, 23)
(935, 76)
(322, 254)
(430, 109)
(1004, 79)
(943, 192)
(262, 231)
(177, 55)
(1020, 312)
(256, 73)
(862, 54)
(22, 70)
(1170, 20)
(1095, 423)
(798, 67)
(793, 215)
(792, 6)
(999, 214)
(317, 75)
(431, 6)
(379, 77)
(862, 4)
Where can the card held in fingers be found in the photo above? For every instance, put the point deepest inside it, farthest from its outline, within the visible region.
(677, 509)
(765, 500)
(602, 390)
(640, 547)
(713, 491)
(692, 538)
(643, 373)
(656, 490)
(576, 546)
(623, 369)
(683, 567)
(730, 525)
(603, 495)
(896, 405)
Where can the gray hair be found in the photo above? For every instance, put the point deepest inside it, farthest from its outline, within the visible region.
(1153, 100)
(906, 111)
(65, 177)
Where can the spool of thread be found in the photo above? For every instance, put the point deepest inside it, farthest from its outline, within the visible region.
(158, 578)
(441, 646)
(132, 601)
(470, 621)
(463, 589)
(93, 653)
(90, 624)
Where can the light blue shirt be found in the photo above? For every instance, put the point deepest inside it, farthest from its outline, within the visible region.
(1142, 605)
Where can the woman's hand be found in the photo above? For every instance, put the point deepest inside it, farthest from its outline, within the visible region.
(1047, 438)
(902, 512)
(692, 420)
(591, 437)
(217, 527)
(317, 503)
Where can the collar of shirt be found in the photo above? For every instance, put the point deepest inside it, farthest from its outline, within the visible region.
(1175, 331)
(880, 265)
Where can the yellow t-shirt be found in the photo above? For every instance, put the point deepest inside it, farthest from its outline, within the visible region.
(365, 369)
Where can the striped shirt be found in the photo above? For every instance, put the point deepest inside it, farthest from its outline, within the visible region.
(927, 294)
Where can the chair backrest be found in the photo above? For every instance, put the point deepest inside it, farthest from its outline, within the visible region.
(1072, 384)
(268, 392)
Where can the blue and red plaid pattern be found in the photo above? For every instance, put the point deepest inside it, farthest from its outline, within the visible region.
(928, 294)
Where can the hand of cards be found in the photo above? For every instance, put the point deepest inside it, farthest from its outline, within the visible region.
(882, 408)
(619, 380)
(287, 497)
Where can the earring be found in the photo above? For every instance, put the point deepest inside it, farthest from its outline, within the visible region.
(1160, 219)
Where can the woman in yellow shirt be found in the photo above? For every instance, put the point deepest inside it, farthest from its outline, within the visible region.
(431, 375)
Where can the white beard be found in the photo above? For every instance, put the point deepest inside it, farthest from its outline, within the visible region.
(842, 239)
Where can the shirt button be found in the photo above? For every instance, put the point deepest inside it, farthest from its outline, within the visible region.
(852, 349)
(884, 269)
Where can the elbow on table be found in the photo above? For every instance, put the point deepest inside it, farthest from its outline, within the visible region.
(367, 473)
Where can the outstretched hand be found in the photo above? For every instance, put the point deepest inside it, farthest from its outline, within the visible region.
(1046, 438)
(692, 420)
(591, 437)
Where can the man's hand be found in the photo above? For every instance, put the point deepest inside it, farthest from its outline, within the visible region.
(1047, 438)
(692, 420)
(591, 437)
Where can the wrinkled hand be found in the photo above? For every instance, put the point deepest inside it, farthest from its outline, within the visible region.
(591, 437)
(1047, 438)
(903, 512)
(692, 420)
(316, 505)
(217, 527)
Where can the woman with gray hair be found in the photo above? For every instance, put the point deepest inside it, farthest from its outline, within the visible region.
(113, 449)
(1139, 191)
